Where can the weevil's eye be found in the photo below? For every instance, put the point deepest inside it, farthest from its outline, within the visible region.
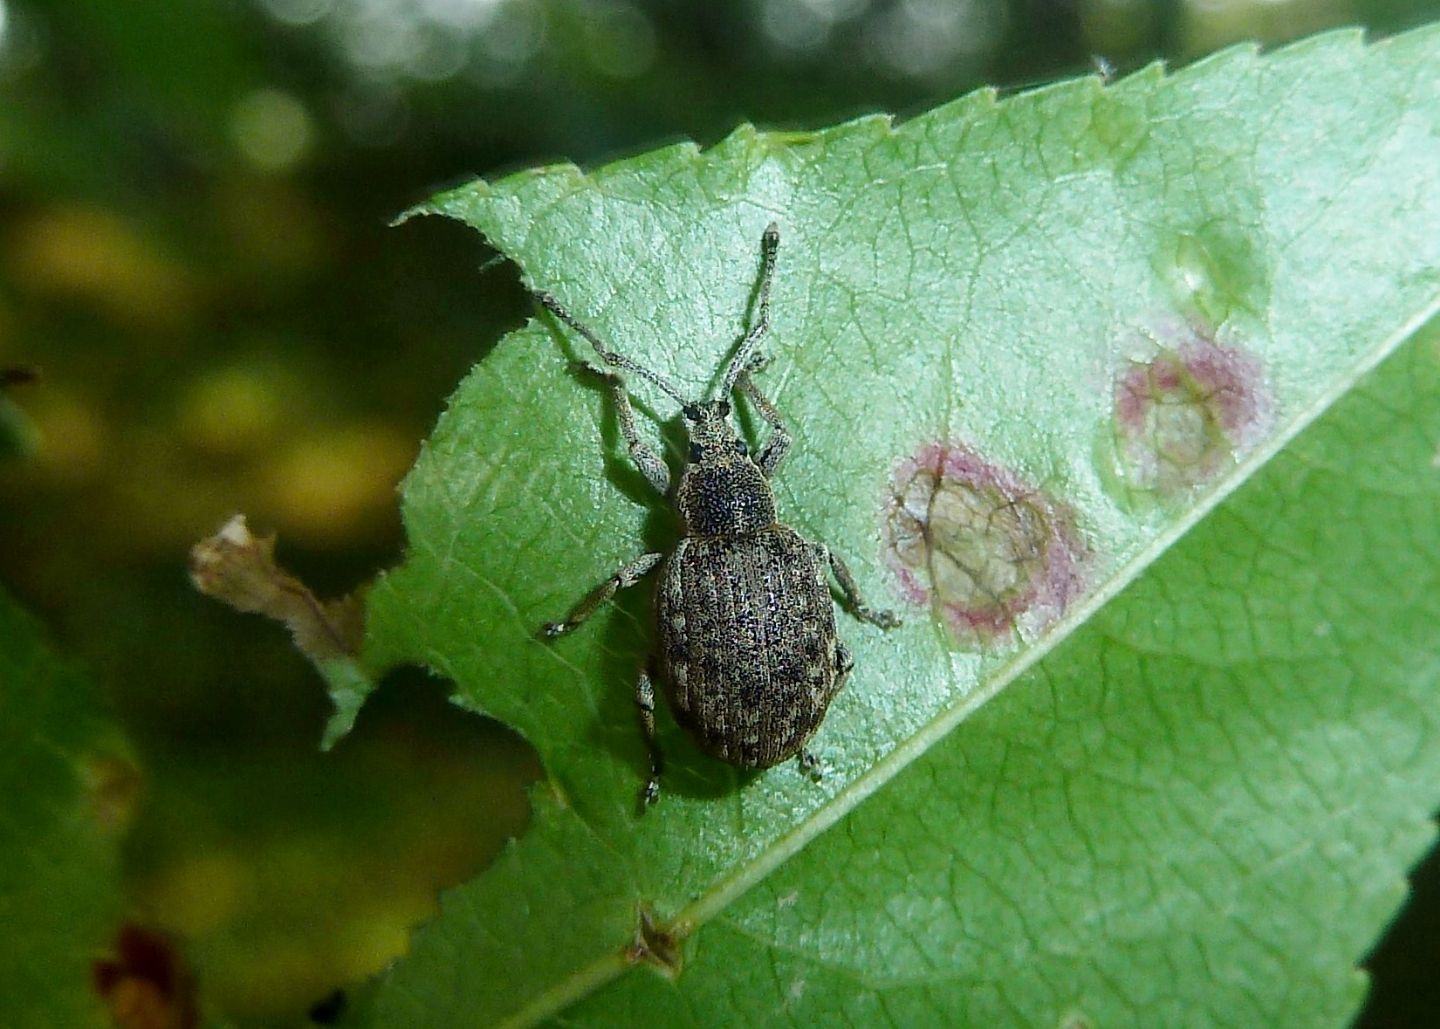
(724, 408)
(691, 412)
(696, 453)
(741, 448)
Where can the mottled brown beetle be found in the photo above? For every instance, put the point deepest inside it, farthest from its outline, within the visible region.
(747, 632)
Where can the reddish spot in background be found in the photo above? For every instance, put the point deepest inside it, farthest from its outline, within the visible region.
(146, 985)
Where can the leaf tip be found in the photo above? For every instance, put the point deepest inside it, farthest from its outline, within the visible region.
(410, 212)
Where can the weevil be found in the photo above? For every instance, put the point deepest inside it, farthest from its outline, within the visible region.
(747, 643)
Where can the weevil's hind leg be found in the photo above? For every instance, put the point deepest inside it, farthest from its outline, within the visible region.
(650, 463)
(626, 576)
(862, 610)
(778, 445)
(645, 705)
(810, 766)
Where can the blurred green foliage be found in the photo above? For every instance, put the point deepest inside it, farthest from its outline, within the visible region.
(69, 795)
(193, 249)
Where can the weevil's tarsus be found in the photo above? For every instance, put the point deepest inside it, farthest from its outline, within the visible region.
(848, 586)
(627, 576)
(645, 706)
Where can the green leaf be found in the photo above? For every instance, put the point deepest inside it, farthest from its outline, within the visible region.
(1198, 810)
(17, 434)
(66, 787)
(992, 295)
(18, 437)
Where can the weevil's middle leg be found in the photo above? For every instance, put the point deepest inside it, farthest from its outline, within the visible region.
(650, 463)
(629, 575)
(645, 704)
(778, 445)
(863, 611)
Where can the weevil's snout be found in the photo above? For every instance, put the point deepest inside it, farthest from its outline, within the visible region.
(702, 412)
(712, 438)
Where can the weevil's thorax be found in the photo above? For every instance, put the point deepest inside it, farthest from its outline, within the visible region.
(722, 492)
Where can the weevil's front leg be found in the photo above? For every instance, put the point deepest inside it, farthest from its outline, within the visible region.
(610, 357)
(645, 704)
(650, 463)
(745, 355)
(626, 576)
(778, 445)
(862, 610)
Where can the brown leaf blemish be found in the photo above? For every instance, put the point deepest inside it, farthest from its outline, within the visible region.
(977, 545)
(657, 945)
(146, 984)
(1182, 417)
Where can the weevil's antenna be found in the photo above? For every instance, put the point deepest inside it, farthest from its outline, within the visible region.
(745, 355)
(606, 354)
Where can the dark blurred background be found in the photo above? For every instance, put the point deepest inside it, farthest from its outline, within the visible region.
(194, 251)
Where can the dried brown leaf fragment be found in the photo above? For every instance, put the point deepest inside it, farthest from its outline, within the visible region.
(238, 568)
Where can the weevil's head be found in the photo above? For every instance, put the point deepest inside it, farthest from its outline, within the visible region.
(722, 491)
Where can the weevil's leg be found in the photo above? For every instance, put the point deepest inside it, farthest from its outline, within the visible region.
(650, 463)
(645, 704)
(809, 765)
(863, 611)
(778, 445)
(626, 576)
(607, 355)
(843, 663)
(746, 356)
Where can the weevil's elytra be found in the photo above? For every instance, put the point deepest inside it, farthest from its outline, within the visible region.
(747, 643)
